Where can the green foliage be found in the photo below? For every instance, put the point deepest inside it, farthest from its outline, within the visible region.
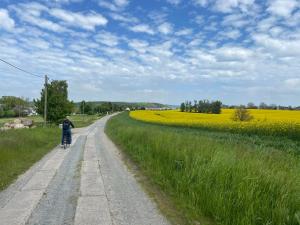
(202, 106)
(232, 179)
(9, 113)
(241, 114)
(102, 107)
(216, 107)
(2, 112)
(86, 108)
(58, 105)
(182, 107)
(11, 106)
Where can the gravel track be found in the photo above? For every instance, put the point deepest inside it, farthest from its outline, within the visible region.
(90, 185)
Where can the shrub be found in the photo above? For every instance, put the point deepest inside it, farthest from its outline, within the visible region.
(241, 114)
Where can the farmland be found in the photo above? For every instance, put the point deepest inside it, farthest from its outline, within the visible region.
(265, 122)
(215, 177)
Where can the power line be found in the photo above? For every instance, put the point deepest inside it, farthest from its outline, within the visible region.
(32, 74)
(21, 69)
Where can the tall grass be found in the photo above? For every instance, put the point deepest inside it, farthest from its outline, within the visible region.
(19, 149)
(230, 178)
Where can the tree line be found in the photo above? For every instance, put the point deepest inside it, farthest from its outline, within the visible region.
(91, 108)
(59, 106)
(201, 106)
(11, 106)
(262, 105)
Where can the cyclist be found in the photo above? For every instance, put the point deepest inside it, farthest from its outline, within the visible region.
(66, 131)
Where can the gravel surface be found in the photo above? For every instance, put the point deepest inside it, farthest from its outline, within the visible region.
(129, 204)
(58, 204)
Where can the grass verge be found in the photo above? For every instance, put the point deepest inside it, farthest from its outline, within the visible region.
(19, 149)
(231, 179)
(83, 121)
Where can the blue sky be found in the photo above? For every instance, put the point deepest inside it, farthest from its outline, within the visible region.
(163, 51)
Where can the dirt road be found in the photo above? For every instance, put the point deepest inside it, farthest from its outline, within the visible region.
(87, 184)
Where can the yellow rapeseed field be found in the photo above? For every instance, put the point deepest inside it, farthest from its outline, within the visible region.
(267, 122)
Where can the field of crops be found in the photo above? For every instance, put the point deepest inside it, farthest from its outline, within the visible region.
(265, 122)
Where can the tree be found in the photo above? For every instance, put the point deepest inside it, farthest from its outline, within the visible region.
(241, 114)
(13, 106)
(216, 107)
(263, 105)
(195, 106)
(182, 107)
(88, 109)
(273, 106)
(58, 105)
(82, 107)
(2, 113)
(204, 106)
(251, 105)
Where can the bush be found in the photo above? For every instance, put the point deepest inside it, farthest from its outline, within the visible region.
(9, 113)
(242, 114)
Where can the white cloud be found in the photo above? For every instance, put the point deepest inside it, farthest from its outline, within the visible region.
(283, 7)
(231, 34)
(124, 18)
(202, 3)
(158, 17)
(236, 20)
(278, 47)
(233, 54)
(31, 13)
(6, 22)
(292, 82)
(165, 28)
(142, 28)
(174, 2)
(199, 20)
(184, 32)
(116, 5)
(86, 21)
(229, 5)
(138, 45)
(121, 3)
(107, 38)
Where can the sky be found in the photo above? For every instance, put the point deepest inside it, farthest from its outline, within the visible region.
(166, 51)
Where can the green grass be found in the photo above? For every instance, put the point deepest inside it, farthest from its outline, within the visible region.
(229, 178)
(19, 149)
(83, 120)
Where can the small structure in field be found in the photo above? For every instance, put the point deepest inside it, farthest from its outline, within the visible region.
(127, 109)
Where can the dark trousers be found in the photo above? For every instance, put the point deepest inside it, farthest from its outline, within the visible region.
(66, 134)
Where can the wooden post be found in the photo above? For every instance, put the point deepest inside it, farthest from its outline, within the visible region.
(45, 102)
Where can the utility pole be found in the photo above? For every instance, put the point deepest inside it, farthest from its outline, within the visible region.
(45, 102)
(83, 107)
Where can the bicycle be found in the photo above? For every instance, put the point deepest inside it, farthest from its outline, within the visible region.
(65, 145)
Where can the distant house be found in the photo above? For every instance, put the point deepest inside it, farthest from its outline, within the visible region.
(127, 109)
(32, 112)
